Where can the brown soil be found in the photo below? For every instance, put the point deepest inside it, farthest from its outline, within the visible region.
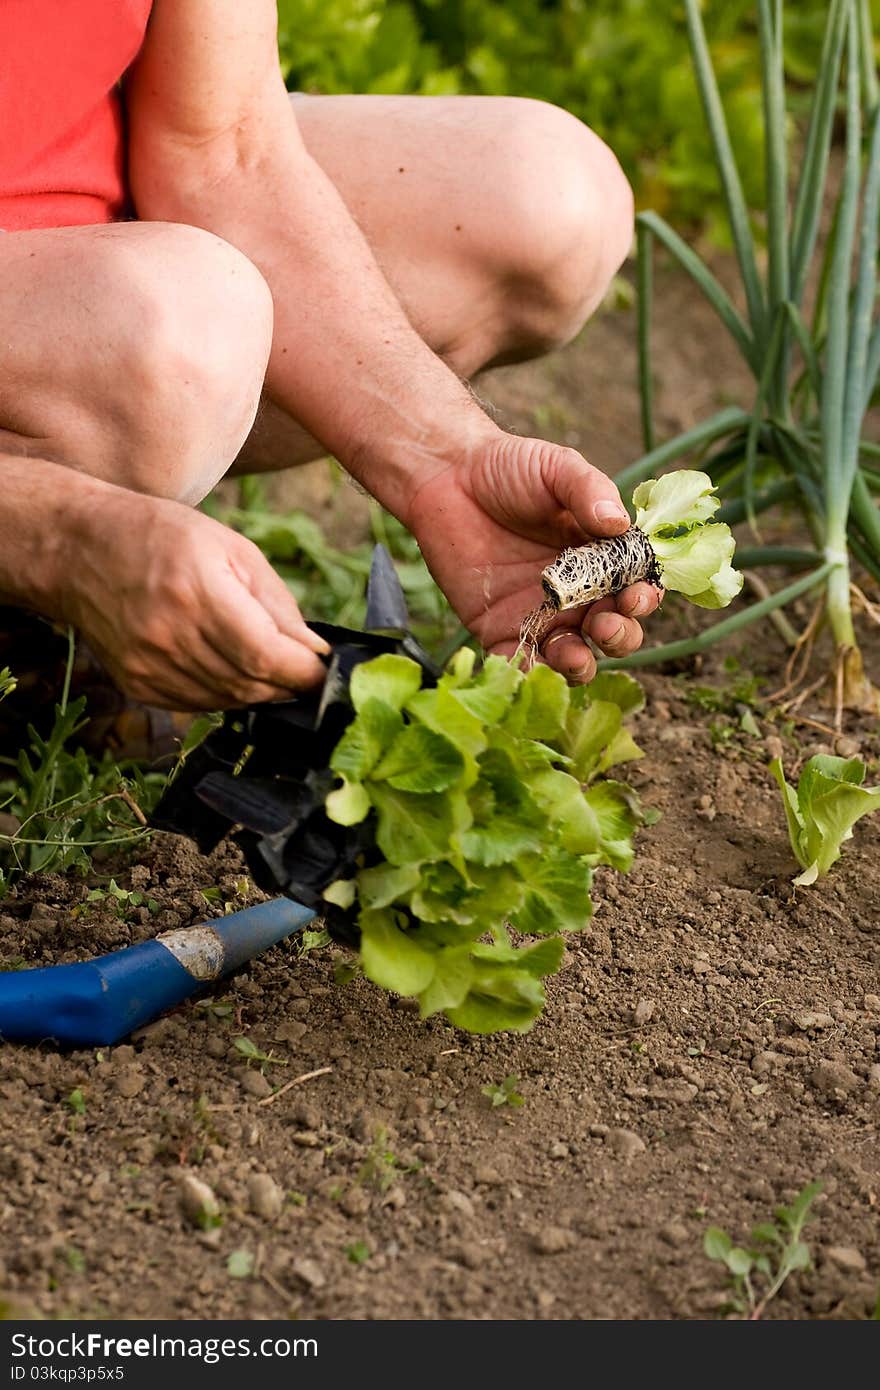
(710, 1047)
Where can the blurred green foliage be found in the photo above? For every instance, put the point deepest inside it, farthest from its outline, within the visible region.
(620, 65)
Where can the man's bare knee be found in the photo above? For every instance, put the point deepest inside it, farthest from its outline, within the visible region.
(195, 342)
(570, 215)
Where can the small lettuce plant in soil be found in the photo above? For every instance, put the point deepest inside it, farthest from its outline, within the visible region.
(492, 808)
(822, 809)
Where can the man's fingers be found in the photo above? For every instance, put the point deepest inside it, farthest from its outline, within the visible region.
(613, 633)
(246, 635)
(567, 652)
(639, 600)
(270, 590)
(589, 495)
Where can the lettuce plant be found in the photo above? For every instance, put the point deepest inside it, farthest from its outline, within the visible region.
(822, 810)
(673, 543)
(491, 809)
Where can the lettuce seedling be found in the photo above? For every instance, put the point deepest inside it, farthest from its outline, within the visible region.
(674, 542)
(490, 811)
(823, 809)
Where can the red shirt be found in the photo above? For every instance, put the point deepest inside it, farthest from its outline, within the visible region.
(62, 145)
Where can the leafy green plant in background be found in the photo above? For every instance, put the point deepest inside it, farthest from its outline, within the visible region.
(330, 583)
(815, 376)
(491, 809)
(775, 1251)
(822, 810)
(620, 65)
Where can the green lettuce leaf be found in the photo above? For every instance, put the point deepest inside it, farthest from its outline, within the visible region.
(420, 760)
(365, 739)
(476, 790)
(393, 958)
(685, 497)
(822, 811)
(348, 804)
(697, 564)
(389, 678)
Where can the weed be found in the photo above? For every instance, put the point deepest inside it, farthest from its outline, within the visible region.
(76, 1101)
(775, 1251)
(252, 1053)
(65, 802)
(381, 1165)
(240, 1264)
(233, 900)
(217, 1009)
(74, 1259)
(311, 941)
(123, 900)
(504, 1092)
(358, 1252)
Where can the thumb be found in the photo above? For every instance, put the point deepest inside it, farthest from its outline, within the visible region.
(583, 490)
(270, 590)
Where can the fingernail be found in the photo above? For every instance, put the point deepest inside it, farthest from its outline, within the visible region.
(640, 605)
(610, 511)
(615, 636)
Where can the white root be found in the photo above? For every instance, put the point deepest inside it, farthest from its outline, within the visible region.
(584, 574)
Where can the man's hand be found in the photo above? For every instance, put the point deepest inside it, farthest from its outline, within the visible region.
(183, 612)
(488, 526)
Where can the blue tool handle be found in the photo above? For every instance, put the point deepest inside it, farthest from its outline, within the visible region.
(96, 1003)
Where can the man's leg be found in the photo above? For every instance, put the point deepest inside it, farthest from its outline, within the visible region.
(498, 222)
(135, 353)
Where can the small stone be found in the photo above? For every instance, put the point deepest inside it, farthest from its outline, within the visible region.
(559, 1150)
(675, 1233)
(156, 1034)
(395, 1198)
(458, 1202)
(701, 967)
(871, 1002)
(847, 1258)
(310, 1273)
(552, 1240)
(43, 914)
(847, 747)
(834, 1078)
(625, 1143)
(255, 1084)
(487, 1176)
(216, 1047)
(874, 1076)
(355, 1202)
(265, 1197)
(290, 1031)
(130, 1082)
(774, 747)
(643, 1011)
(598, 1131)
(764, 1062)
(306, 1115)
(200, 1206)
(307, 1139)
(810, 1019)
(759, 1190)
(471, 1255)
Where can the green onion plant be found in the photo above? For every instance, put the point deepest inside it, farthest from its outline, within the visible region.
(808, 332)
